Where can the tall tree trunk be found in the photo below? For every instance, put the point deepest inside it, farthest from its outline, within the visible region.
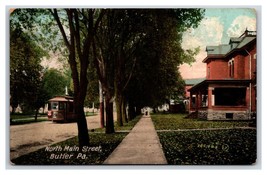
(36, 114)
(101, 114)
(109, 115)
(13, 110)
(118, 91)
(101, 107)
(82, 125)
(123, 111)
(138, 110)
(131, 111)
(119, 108)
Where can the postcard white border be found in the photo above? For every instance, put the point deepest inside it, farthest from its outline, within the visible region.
(5, 5)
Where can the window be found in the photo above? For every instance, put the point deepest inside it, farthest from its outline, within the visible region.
(61, 106)
(255, 56)
(231, 65)
(233, 69)
(208, 76)
(54, 105)
(230, 96)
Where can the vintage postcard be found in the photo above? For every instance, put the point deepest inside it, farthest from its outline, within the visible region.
(104, 86)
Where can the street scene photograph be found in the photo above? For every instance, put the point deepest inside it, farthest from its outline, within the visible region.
(133, 86)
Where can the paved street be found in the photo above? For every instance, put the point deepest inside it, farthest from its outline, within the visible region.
(30, 137)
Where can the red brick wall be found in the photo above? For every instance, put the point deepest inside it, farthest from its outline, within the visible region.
(240, 69)
(252, 51)
(218, 69)
(187, 93)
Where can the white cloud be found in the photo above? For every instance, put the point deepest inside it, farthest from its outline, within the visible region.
(240, 24)
(209, 32)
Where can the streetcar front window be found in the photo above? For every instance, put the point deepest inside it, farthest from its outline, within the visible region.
(54, 105)
(62, 106)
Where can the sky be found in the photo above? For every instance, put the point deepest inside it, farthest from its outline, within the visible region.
(217, 26)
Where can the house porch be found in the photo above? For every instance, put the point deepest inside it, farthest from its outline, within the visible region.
(221, 100)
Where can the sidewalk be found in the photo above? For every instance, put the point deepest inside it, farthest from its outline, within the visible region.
(140, 146)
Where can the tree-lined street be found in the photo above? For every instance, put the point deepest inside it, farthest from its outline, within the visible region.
(133, 53)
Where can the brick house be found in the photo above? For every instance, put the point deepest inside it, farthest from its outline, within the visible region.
(229, 90)
(189, 83)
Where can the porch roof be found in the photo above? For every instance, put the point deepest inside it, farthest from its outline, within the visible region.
(225, 82)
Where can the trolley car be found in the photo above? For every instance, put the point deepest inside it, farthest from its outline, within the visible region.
(60, 109)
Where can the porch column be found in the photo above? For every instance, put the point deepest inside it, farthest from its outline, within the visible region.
(199, 100)
(190, 102)
(210, 97)
(196, 101)
(248, 98)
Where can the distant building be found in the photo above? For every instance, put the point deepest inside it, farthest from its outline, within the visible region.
(229, 90)
(189, 83)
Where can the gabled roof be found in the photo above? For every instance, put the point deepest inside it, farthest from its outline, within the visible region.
(245, 41)
(223, 50)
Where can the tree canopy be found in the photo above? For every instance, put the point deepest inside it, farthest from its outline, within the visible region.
(135, 53)
(25, 69)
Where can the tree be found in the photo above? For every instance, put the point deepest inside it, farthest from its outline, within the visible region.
(81, 26)
(54, 83)
(93, 86)
(119, 42)
(25, 70)
(156, 75)
(124, 34)
(116, 40)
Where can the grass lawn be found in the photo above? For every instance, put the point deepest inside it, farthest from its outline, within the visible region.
(205, 147)
(126, 126)
(101, 146)
(18, 119)
(177, 121)
(89, 114)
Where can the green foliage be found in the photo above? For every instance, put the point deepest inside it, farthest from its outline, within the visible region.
(156, 77)
(54, 82)
(40, 26)
(177, 121)
(107, 143)
(92, 95)
(25, 70)
(226, 146)
(220, 147)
